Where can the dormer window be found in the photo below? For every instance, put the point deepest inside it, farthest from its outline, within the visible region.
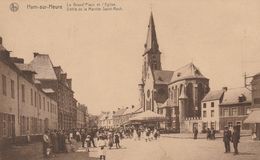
(241, 98)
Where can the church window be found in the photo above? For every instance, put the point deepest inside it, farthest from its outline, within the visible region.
(148, 93)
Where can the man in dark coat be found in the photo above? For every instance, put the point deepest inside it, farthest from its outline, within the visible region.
(227, 139)
(83, 137)
(195, 133)
(235, 138)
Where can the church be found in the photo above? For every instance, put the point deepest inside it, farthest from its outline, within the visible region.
(176, 94)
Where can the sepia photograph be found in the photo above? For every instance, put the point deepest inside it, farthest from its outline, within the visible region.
(129, 80)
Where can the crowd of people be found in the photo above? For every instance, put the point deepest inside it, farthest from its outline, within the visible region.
(62, 141)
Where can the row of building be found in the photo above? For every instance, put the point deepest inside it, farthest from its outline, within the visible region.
(35, 97)
(115, 119)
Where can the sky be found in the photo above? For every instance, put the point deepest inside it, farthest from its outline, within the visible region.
(102, 50)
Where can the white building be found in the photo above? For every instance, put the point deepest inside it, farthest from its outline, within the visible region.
(210, 109)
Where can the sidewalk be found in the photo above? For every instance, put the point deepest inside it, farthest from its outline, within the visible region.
(200, 135)
(34, 151)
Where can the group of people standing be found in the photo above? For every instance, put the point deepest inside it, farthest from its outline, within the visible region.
(64, 141)
(234, 137)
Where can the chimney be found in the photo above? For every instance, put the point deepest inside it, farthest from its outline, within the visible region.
(35, 54)
(1, 40)
(224, 89)
(69, 81)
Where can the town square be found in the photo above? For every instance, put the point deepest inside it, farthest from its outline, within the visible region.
(153, 81)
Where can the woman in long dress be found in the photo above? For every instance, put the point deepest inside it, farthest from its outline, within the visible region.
(101, 148)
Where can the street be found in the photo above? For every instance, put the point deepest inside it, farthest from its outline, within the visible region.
(161, 149)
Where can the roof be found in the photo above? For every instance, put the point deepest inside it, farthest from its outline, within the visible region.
(151, 40)
(48, 90)
(25, 67)
(131, 110)
(2, 48)
(188, 71)
(253, 117)
(43, 66)
(231, 96)
(147, 116)
(120, 111)
(162, 76)
(213, 95)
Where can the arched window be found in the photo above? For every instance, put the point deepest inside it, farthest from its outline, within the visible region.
(190, 105)
(201, 94)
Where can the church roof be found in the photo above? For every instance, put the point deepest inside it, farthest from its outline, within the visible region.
(43, 66)
(151, 40)
(162, 76)
(213, 95)
(188, 71)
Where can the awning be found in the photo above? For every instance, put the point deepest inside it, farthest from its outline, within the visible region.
(253, 117)
(148, 116)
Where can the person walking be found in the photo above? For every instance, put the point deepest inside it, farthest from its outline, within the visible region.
(102, 150)
(227, 139)
(117, 141)
(208, 134)
(236, 138)
(195, 132)
(46, 142)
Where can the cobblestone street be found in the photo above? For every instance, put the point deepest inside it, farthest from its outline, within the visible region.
(162, 149)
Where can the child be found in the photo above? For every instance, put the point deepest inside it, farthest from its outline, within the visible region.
(101, 145)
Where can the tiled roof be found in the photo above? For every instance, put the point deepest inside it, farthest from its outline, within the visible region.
(43, 67)
(120, 112)
(131, 110)
(162, 76)
(213, 95)
(186, 72)
(25, 67)
(231, 96)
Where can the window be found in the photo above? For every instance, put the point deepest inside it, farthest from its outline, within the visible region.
(12, 88)
(31, 97)
(248, 110)
(4, 84)
(48, 106)
(234, 111)
(40, 101)
(212, 125)
(212, 104)
(35, 98)
(212, 113)
(230, 124)
(44, 103)
(204, 105)
(204, 114)
(239, 123)
(23, 93)
(226, 112)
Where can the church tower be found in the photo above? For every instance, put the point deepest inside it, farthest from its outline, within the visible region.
(152, 55)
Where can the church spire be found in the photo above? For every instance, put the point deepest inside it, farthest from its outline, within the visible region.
(151, 40)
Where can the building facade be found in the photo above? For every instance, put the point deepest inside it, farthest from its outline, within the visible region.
(235, 107)
(176, 94)
(81, 116)
(25, 108)
(210, 109)
(55, 79)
